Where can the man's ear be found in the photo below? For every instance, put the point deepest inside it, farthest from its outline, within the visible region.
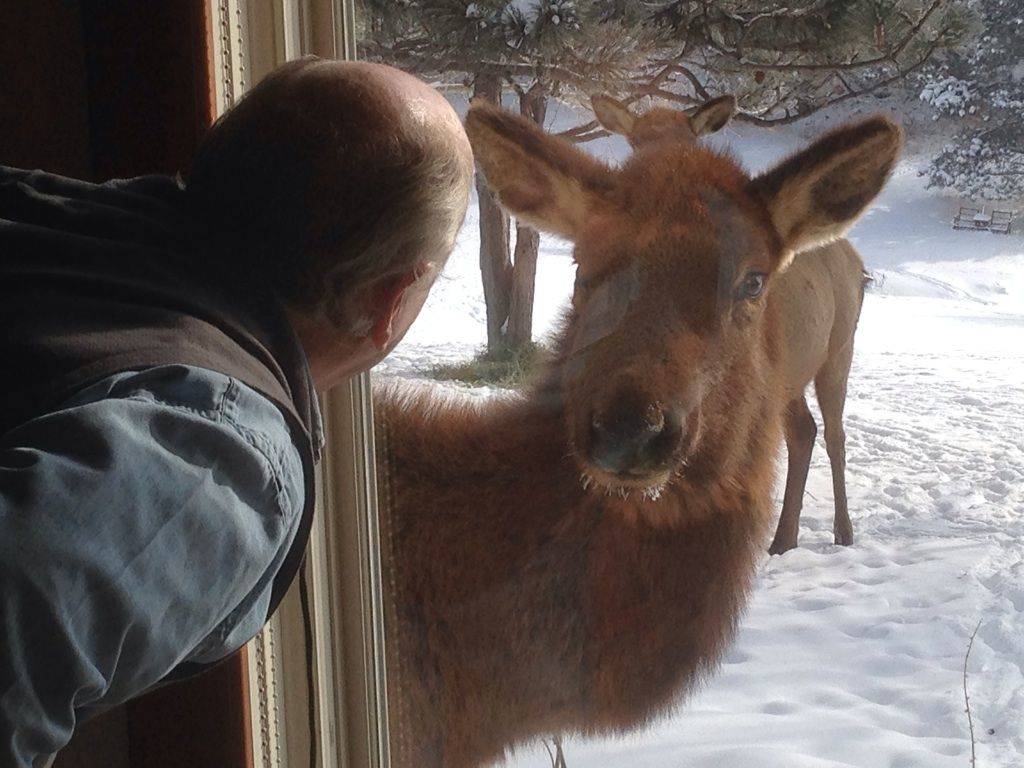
(613, 115)
(712, 115)
(542, 179)
(816, 195)
(385, 301)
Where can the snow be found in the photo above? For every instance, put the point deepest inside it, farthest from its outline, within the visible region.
(854, 656)
(948, 95)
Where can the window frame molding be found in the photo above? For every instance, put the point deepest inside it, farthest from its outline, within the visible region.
(342, 572)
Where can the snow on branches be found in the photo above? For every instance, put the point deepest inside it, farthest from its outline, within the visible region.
(980, 89)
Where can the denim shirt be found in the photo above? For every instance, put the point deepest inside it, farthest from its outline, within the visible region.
(141, 526)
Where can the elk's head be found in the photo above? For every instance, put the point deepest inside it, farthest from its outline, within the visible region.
(660, 123)
(670, 345)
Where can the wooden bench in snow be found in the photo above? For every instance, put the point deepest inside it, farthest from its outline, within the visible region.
(978, 218)
(1002, 222)
(970, 218)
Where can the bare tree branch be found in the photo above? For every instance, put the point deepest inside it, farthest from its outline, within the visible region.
(698, 88)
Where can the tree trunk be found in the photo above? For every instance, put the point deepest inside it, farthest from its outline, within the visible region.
(524, 273)
(495, 260)
(532, 104)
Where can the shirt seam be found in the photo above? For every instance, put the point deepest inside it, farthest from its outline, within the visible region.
(223, 413)
(258, 441)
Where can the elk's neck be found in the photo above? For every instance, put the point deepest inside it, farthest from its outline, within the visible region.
(462, 444)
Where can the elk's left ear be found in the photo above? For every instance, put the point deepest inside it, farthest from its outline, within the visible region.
(613, 115)
(542, 179)
(712, 115)
(816, 195)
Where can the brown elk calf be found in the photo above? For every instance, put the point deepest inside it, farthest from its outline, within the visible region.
(659, 123)
(820, 296)
(576, 558)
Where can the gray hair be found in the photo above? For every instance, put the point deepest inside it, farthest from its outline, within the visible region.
(305, 189)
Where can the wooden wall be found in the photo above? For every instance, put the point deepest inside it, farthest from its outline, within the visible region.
(100, 89)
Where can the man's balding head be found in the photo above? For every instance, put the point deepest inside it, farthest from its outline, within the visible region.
(329, 176)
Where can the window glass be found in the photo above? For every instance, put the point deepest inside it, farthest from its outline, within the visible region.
(725, 466)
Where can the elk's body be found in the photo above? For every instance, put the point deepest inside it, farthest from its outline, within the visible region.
(819, 297)
(574, 558)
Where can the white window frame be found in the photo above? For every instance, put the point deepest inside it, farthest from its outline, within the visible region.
(342, 570)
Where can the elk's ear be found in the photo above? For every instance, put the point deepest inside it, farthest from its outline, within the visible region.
(816, 195)
(712, 115)
(613, 115)
(543, 180)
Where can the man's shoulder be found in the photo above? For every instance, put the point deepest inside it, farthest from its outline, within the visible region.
(184, 394)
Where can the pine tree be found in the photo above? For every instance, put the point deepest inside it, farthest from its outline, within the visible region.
(788, 60)
(784, 61)
(981, 87)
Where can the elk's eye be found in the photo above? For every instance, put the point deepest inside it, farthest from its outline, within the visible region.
(752, 285)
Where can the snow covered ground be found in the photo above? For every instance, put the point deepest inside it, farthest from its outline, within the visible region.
(854, 656)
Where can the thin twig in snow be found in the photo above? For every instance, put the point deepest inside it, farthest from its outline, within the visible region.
(557, 756)
(967, 701)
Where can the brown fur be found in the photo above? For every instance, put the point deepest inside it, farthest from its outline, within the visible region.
(524, 601)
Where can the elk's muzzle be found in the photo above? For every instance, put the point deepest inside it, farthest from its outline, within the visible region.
(634, 438)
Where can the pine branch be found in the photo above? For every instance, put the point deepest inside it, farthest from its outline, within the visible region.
(852, 94)
(889, 57)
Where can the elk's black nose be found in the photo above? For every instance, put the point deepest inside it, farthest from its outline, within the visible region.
(626, 439)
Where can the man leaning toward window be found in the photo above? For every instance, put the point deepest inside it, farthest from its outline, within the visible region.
(163, 344)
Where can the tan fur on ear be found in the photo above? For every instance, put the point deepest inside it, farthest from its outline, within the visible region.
(542, 179)
(613, 115)
(816, 195)
(712, 115)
